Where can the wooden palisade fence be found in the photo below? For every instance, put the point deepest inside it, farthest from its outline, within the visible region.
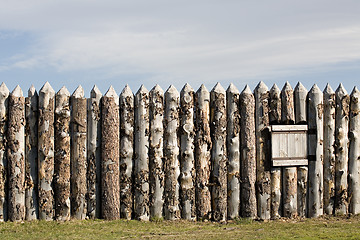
(192, 155)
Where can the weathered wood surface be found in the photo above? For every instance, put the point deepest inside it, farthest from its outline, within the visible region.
(202, 154)
(156, 180)
(263, 174)
(187, 158)
(141, 168)
(300, 96)
(16, 155)
(62, 155)
(126, 152)
(329, 150)
(341, 150)
(171, 154)
(315, 143)
(354, 153)
(78, 154)
(46, 151)
(4, 95)
(248, 153)
(233, 151)
(219, 155)
(110, 155)
(289, 192)
(275, 118)
(31, 155)
(94, 154)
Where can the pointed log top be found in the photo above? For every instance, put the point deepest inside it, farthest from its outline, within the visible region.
(232, 89)
(261, 87)
(47, 88)
(202, 89)
(111, 93)
(300, 88)
(17, 92)
(95, 92)
(79, 92)
(157, 89)
(246, 90)
(142, 89)
(328, 90)
(287, 87)
(126, 91)
(187, 88)
(341, 91)
(172, 90)
(355, 92)
(315, 89)
(275, 89)
(32, 91)
(63, 91)
(4, 91)
(218, 88)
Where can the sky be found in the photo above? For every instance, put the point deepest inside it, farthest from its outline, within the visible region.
(118, 42)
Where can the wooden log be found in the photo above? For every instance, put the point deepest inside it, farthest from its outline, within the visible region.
(94, 154)
(300, 95)
(275, 118)
(315, 150)
(202, 154)
(218, 153)
(354, 153)
(329, 150)
(110, 155)
(233, 151)
(62, 155)
(171, 154)
(341, 150)
(31, 155)
(187, 158)
(46, 152)
(126, 152)
(263, 174)
(141, 169)
(156, 152)
(16, 155)
(78, 153)
(248, 153)
(289, 173)
(4, 95)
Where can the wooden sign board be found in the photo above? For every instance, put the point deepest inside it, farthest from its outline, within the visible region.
(289, 145)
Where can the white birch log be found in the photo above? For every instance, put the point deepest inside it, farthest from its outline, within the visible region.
(233, 151)
(110, 130)
(289, 173)
(354, 152)
(31, 155)
(187, 160)
(78, 154)
(248, 153)
(300, 95)
(156, 181)
(62, 155)
(315, 150)
(275, 118)
(341, 150)
(141, 169)
(126, 152)
(94, 154)
(46, 151)
(263, 151)
(171, 154)
(16, 155)
(202, 154)
(329, 150)
(4, 95)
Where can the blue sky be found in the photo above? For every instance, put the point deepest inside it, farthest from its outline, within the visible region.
(114, 42)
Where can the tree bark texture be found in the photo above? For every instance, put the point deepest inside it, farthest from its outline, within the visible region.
(62, 155)
(110, 186)
(126, 152)
(46, 152)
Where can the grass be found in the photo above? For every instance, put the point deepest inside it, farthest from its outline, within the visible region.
(322, 228)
